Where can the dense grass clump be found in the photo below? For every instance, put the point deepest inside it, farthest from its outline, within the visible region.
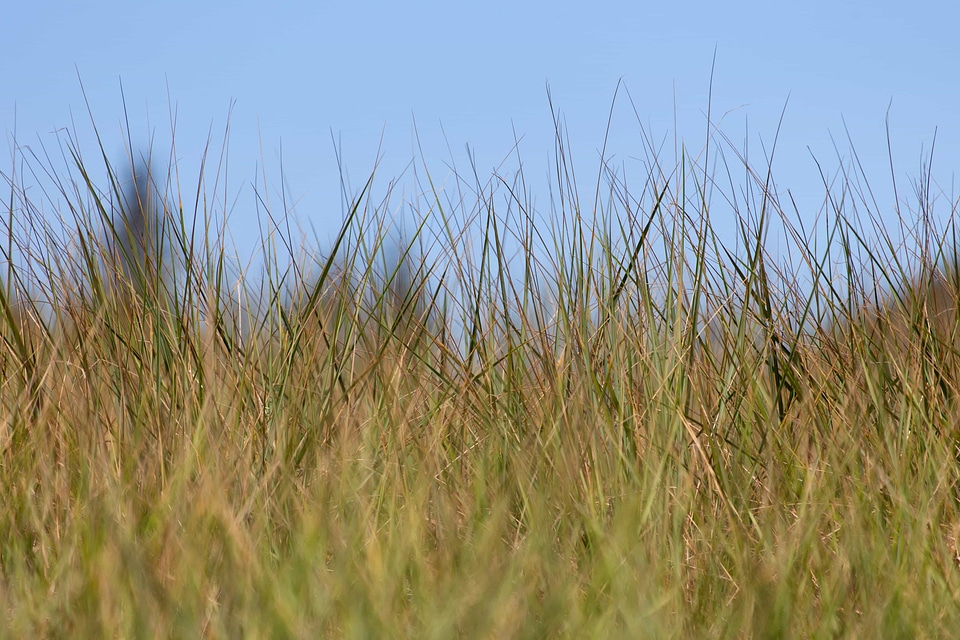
(602, 420)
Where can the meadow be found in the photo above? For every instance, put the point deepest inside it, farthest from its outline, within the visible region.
(603, 419)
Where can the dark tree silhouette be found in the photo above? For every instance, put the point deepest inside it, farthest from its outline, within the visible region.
(135, 236)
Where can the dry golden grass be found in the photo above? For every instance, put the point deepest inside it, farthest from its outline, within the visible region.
(625, 439)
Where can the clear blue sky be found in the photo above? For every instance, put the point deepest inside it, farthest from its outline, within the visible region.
(297, 71)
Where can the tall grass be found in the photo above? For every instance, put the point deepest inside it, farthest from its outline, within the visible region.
(603, 420)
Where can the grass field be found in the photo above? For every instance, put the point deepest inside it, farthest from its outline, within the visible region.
(639, 429)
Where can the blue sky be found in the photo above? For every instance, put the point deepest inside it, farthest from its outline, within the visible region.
(474, 74)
